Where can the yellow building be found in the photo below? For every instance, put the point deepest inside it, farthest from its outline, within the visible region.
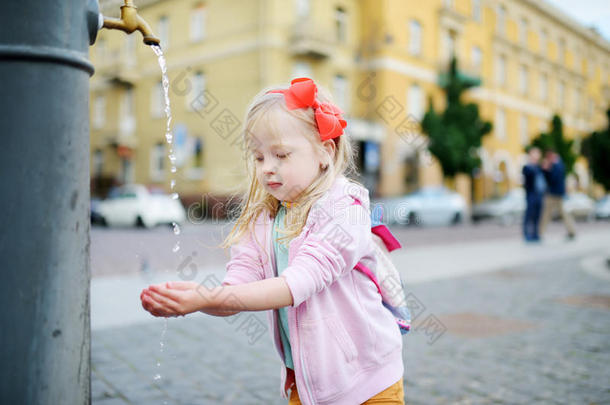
(380, 59)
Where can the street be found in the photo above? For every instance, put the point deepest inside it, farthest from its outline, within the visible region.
(516, 324)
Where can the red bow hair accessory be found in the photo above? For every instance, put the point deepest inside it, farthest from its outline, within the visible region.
(302, 94)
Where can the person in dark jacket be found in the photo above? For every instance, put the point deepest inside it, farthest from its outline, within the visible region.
(534, 184)
(555, 174)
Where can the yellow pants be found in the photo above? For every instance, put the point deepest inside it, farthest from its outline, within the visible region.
(394, 394)
(551, 205)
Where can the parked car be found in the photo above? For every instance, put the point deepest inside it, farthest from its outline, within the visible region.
(507, 210)
(602, 208)
(135, 204)
(427, 206)
(579, 205)
(94, 212)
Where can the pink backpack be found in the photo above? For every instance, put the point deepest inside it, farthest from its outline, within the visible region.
(386, 276)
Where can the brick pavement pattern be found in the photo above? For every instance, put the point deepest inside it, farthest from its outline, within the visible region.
(534, 334)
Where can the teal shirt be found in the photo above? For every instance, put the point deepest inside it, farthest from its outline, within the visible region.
(281, 262)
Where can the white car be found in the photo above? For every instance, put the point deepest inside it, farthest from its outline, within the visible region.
(602, 208)
(507, 210)
(579, 205)
(428, 206)
(136, 205)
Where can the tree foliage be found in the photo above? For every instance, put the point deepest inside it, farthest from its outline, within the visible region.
(556, 141)
(596, 147)
(456, 133)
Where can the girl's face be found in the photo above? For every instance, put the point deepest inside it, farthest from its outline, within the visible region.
(286, 163)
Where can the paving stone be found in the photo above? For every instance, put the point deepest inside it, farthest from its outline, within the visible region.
(561, 359)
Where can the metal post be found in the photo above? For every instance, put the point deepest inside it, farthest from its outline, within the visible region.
(44, 210)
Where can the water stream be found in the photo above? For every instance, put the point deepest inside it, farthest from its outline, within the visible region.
(172, 158)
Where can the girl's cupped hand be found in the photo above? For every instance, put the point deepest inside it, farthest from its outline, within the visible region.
(173, 298)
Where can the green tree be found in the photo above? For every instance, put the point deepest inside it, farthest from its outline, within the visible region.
(556, 141)
(596, 147)
(456, 133)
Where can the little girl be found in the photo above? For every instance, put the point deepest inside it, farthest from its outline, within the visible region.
(303, 227)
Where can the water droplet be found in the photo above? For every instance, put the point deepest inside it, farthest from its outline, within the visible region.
(176, 228)
(169, 137)
(175, 196)
(172, 184)
(157, 377)
(173, 169)
(172, 157)
(176, 247)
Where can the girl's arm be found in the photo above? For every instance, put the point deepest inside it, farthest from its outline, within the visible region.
(181, 298)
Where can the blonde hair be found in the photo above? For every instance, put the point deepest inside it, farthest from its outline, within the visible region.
(256, 200)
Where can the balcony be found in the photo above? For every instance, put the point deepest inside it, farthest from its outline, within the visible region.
(118, 68)
(312, 39)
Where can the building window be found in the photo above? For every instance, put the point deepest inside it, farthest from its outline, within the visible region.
(501, 70)
(501, 20)
(561, 50)
(523, 31)
(157, 100)
(157, 161)
(544, 40)
(523, 129)
(523, 79)
(127, 113)
(500, 124)
(477, 58)
(163, 31)
(341, 92)
(194, 98)
(301, 69)
(476, 10)
(130, 50)
(561, 94)
(99, 112)
(127, 175)
(100, 49)
(341, 24)
(198, 16)
(98, 162)
(415, 102)
(544, 87)
(577, 100)
(449, 44)
(128, 103)
(415, 38)
(302, 7)
(198, 154)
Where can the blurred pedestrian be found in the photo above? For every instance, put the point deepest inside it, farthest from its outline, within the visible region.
(535, 187)
(555, 174)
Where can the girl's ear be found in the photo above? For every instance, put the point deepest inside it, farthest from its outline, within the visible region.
(330, 146)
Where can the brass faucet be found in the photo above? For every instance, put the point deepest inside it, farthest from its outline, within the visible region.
(130, 21)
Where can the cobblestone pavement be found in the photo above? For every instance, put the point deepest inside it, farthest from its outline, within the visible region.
(538, 333)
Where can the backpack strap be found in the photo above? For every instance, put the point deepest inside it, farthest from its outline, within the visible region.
(389, 240)
(381, 230)
(368, 272)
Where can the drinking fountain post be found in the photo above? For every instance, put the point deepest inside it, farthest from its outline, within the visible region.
(45, 328)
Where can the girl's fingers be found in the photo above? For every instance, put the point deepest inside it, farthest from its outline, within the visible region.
(164, 302)
(180, 285)
(173, 295)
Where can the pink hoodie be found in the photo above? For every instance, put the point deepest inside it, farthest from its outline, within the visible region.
(346, 346)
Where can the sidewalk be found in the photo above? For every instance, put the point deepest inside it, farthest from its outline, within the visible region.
(515, 324)
(120, 294)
